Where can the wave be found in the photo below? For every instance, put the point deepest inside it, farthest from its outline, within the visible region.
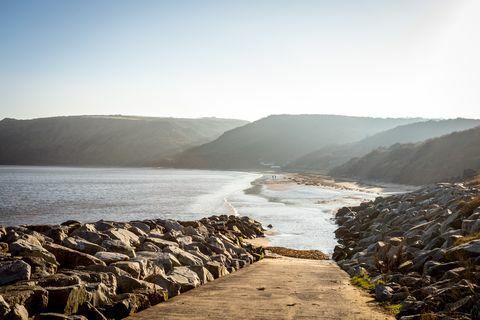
(231, 207)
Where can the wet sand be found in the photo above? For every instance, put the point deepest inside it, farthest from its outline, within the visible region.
(282, 182)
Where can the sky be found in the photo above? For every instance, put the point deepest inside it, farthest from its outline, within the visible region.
(240, 59)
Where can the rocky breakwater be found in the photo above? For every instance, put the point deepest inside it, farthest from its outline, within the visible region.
(419, 250)
(109, 270)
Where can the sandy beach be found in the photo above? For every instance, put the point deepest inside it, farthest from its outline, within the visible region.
(301, 207)
(281, 181)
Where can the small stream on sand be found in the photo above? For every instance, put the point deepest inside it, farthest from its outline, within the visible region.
(301, 216)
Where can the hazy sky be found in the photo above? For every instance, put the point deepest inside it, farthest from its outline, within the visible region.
(240, 59)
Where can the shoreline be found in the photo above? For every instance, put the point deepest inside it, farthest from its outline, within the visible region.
(315, 198)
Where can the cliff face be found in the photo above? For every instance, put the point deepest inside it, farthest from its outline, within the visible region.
(435, 160)
(279, 139)
(327, 158)
(419, 249)
(104, 140)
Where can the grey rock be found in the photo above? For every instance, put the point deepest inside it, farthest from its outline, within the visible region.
(172, 225)
(173, 288)
(4, 308)
(39, 267)
(58, 316)
(59, 280)
(14, 270)
(127, 237)
(18, 312)
(34, 298)
(109, 257)
(69, 258)
(82, 245)
(141, 225)
(357, 271)
(107, 269)
(125, 305)
(383, 293)
(467, 250)
(131, 267)
(154, 292)
(203, 274)
(118, 246)
(184, 257)
(149, 246)
(68, 299)
(216, 269)
(24, 248)
(186, 278)
(161, 243)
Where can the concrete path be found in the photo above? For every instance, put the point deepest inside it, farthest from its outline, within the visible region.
(282, 288)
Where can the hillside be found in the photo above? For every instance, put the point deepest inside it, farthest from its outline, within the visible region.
(435, 160)
(104, 140)
(279, 139)
(329, 157)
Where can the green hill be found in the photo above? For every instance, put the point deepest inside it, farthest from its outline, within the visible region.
(330, 157)
(440, 159)
(104, 140)
(279, 139)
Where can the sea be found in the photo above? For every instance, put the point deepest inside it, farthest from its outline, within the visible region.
(300, 216)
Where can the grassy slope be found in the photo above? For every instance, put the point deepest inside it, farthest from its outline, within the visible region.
(435, 160)
(104, 140)
(329, 157)
(279, 139)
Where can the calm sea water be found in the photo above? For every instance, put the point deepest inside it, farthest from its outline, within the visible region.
(301, 215)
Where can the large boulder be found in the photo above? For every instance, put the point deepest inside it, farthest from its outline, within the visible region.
(18, 312)
(217, 245)
(59, 280)
(69, 258)
(58, 316)
(58, 234)
(467, 250)
(133, 268)
(184, 257)
(154, 292)
(127, 237)
(203, 274)
(170, 225)
(109, 257)
(34, 298)
(14, 270)
(4, 308)
(186, 278)
(383, 293)
(15, 234)
(68, 299)
(217, 269)
(25, 248)
(40, 267)
(161, 243)
(167, 260)
(82, 245)
(89, 233)
(125, 305)
(102, 286)
(107, 269)
(172, 287)
(149, 246)
(118, 246)
(141, 225)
